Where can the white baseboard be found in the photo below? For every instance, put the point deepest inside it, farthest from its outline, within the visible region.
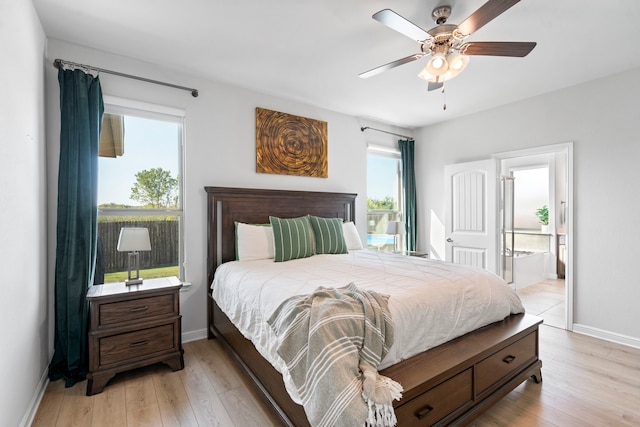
(606, 335)
(194, 335)
(32, 409)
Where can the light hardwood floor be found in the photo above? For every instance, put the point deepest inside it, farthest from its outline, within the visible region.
(546, 299)
(586, 382)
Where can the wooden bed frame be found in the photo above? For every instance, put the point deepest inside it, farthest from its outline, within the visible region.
(447, 385)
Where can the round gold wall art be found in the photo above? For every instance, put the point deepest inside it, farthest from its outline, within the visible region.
(290, 145)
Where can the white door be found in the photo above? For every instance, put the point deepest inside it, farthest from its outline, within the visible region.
(470, 224)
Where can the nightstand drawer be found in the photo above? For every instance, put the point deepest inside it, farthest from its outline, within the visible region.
(122, 347)
(135, 309)
(505, 361)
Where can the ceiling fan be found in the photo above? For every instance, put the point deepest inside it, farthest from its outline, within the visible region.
(446, 43)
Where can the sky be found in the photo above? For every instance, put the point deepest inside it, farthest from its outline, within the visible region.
(147, 144)
(379, 169)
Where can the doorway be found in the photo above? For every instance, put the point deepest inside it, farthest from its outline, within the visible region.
(535, 230)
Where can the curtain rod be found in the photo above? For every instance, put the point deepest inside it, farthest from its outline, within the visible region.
(390, 133)
(58, 63)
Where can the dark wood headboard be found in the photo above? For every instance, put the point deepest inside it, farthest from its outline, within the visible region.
(227, 205)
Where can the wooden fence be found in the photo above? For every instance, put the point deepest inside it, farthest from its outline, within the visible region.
(165, 242)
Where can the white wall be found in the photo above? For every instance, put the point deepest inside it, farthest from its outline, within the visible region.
(601, 119)
(23, 304)
(219, 150)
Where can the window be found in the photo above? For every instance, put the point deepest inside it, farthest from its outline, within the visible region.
(140, 185)
(531, 194)
(384, 197)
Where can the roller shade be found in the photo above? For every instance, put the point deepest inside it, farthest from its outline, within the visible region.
(112, 136)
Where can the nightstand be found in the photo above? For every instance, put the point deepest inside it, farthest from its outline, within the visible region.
(131, 327)
(413, 253)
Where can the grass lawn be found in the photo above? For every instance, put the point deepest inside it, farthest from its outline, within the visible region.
(152, 273)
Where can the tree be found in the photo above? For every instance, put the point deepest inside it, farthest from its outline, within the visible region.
(155, 188)
(388, 203)
(112, 205)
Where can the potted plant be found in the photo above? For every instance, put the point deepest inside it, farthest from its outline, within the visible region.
(543, 217)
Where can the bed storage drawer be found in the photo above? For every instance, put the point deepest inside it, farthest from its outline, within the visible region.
(506, 361)
(438, 402)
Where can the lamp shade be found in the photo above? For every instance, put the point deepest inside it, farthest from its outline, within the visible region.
(424, 75)
(396, 227)
(455, 62)
(437, 65)
(134, 239)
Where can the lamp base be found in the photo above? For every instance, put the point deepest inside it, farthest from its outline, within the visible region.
(130, 282)
(134, 262)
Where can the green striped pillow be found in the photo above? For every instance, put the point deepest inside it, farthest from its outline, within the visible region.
(328, 234)
(291, 238)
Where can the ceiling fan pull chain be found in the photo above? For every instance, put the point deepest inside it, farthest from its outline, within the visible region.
(444, 97)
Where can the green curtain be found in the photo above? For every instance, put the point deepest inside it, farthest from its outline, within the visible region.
(81, 109)
(409, 191)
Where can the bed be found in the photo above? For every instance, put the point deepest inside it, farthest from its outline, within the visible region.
(449, 384)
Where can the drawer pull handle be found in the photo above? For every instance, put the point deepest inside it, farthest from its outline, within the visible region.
(143, 308)
(138, 343)
(424, 412)
(509, 359)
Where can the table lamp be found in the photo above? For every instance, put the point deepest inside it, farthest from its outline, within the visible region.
(132, 240)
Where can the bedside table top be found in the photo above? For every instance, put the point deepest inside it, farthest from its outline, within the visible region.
(413, 253)
(110, 289)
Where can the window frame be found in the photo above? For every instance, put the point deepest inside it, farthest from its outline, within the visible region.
(128, 107)
(394, 153)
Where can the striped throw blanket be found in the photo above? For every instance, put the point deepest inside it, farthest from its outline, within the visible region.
(332, 342)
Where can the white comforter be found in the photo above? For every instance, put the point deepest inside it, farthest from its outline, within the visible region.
(431, 302)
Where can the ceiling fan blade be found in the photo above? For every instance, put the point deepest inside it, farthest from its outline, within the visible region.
(434, 86)
(487, 12)
(390, 65)
(518, 49)
(402, 25)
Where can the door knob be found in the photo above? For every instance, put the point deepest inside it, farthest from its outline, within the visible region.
(449, 239)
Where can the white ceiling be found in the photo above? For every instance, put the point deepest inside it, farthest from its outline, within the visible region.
(313, 51)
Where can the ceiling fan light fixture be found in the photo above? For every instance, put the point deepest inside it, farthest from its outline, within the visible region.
(424, 75)
(437, 65)
(457, 62)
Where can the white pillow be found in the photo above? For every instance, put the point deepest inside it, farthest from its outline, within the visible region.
(254, 242)
(351, 236)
